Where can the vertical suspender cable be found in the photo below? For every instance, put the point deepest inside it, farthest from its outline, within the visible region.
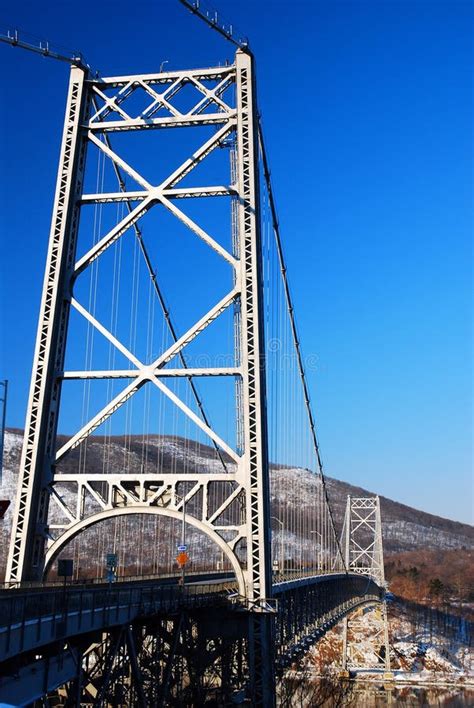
(276, 231)
(159, 294)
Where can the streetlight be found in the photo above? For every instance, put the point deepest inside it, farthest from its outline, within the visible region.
(183, 534)
(3, 401)
(320, 563)
(182, 556)
(280, 554)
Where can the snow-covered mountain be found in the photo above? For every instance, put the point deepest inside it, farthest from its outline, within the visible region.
(404, 528)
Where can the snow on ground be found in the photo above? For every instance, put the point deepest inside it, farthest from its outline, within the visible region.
(420, 650)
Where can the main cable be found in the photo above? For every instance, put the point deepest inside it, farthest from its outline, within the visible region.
(43, 47)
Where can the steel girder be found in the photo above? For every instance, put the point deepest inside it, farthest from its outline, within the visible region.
(308, 609)
(184, 658)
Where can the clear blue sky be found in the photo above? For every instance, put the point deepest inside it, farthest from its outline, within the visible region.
(367, 109)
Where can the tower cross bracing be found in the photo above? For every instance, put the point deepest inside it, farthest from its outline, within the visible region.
(96, 109)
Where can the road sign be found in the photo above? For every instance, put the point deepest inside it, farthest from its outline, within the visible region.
(111, 560)
(65, 567)
(182, 558)
(183, 547)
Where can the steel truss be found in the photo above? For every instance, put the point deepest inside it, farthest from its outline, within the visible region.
(364, 555)
(144, 644)
(308, 610)
(184, 659)
(95, 110)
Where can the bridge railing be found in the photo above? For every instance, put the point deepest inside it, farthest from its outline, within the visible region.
(32, 618)
(192, 575)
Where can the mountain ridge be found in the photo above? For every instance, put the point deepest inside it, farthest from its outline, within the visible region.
(404, 528)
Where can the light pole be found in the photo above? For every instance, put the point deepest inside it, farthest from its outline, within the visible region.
(183, 540)
(280, 553)
(182, 555)
(3, 401)
(320, 564)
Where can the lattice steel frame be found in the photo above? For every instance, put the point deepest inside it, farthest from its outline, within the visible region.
(373, 619)
(363, 540)
(41, 419)
(167, 661)
(364, 555)
(32, 548)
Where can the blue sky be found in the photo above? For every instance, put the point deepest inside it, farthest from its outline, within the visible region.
(367, 110)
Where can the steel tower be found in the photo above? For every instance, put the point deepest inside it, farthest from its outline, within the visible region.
(96, 109)
(364, 555)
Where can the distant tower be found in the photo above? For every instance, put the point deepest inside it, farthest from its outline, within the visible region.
(364, 554)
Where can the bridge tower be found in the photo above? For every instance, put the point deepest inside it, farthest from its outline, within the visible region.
(98, 109)
(364, 555)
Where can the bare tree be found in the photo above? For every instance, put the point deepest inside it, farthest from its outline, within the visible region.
(302, 688)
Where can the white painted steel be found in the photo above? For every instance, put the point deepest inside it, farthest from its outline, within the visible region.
(32, 546)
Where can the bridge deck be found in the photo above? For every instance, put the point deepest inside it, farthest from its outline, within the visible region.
(41, 628)
(35, 616)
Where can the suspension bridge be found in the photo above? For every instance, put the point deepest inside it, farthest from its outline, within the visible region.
(170, 469)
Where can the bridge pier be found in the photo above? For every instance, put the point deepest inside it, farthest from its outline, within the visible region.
(261, 659)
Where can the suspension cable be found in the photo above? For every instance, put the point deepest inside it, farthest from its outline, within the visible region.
(43, 47)
(211, 18)
(216, 22)
(296, 341)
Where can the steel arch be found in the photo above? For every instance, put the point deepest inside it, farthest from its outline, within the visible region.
(81, 525)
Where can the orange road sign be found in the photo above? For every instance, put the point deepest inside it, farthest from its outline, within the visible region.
(182, 558)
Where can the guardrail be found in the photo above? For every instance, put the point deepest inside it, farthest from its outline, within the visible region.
(34, 618)
(88, 582)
